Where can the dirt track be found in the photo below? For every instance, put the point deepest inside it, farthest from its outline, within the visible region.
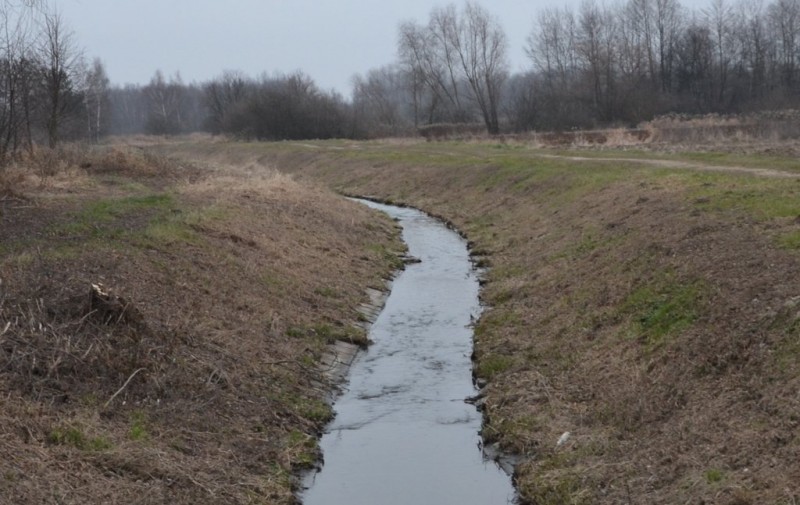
(683, 165)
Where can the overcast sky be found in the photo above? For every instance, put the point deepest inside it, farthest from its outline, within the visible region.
(331, 40)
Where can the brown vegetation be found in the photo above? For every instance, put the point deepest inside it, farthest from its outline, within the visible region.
(766, 132)
(161, 325)
(650, 312)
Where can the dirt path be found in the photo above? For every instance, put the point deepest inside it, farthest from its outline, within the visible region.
(686, 165)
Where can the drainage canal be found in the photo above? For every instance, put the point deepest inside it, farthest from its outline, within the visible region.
(403, 434)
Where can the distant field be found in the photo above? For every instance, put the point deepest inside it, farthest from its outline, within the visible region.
(652, 310)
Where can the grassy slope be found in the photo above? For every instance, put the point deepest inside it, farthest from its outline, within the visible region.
(226, 285)
(653, 313)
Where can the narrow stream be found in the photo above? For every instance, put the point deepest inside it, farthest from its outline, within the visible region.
(402, 433)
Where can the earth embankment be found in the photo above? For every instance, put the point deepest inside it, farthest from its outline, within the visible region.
(161, 325)
(651, 311)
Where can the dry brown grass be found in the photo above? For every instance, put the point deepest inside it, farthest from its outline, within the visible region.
(195, 379)
(651, 313)
(753, 132)
(768, 132)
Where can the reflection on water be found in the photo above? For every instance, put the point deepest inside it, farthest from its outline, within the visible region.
(402, 433)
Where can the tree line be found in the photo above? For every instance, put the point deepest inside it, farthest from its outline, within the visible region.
(47, 90)
(633, 61)
(595, 65)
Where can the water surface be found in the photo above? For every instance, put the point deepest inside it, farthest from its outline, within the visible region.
(402, 433)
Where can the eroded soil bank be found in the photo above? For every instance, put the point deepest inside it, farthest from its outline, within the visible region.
(188, 375)
(652, 312)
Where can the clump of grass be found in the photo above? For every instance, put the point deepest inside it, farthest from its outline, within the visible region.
(493, 364)
(714, 475)
(330, 334)
(350, 334)
(394, 258)
(168, 232)
(74, 437)
(790, 240)
(317, 411)
(305, 449)
(138, 430)
(558, 489)
(308, 408)
(663, 308)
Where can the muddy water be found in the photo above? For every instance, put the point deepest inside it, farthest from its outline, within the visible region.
(402, 433)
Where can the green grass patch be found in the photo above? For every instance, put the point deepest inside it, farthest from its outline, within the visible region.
(108, 209)
(763, 198)
(790, 240)
(493, 364)
(663, 308)
(714, 475)
(149, 222)
(296, 332)
(317, 411)
(113, 219)
(309, 408)
(76, 438)
(350, 334)
(138, 430)
(168, 232)
(305, 449)
(392, 258)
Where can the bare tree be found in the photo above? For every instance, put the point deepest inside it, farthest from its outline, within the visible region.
(668, 19)
(60, 59)
(552, 47)
(458, 56)
(165, 114)
(17, 75)
(444, 35)
(96, 98)
(785, 18)
(481, 46)
(695, 66)
(641, 17)
(721, 21)
(427, 55)
(553, 51)
(378, 100)
(221, 96)
(596, 38)
(755, 47)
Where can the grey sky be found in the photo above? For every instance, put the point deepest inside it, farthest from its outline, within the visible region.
(331, 40)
